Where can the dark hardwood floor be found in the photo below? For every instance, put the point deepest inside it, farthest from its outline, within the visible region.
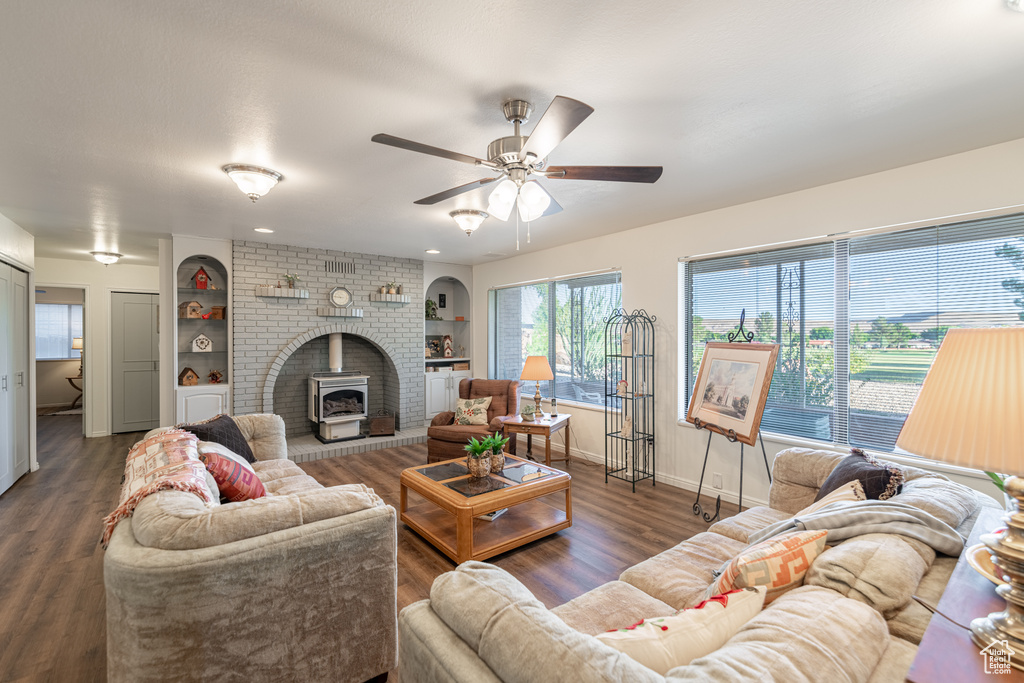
(52, 609)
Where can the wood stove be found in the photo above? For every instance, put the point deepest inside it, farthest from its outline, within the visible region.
(338, 402)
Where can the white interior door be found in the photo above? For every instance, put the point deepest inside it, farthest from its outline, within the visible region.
(6, 395)
(20, 371)
(135, 364)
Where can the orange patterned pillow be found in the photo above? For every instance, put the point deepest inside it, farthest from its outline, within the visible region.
(778, 563)
(235, 480)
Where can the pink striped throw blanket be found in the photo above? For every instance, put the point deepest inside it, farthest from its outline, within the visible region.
(168, 460)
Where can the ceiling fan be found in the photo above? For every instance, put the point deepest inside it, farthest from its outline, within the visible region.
(517, 157)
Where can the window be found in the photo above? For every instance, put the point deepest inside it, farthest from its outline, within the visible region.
(562, 320)
(858, 320)
(56, 326)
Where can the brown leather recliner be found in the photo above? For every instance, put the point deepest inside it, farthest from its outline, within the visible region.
(447, 440)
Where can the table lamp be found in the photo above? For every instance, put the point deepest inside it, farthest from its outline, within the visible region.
(77, 345)
(536, 370)
(970, 412)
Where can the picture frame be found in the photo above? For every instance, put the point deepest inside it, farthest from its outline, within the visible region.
(442, 301)
(732, 389)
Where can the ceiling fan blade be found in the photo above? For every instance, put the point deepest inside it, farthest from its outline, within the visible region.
(621, 174)
(455, 191)
(561, 118)
(553, 208)
(402, 143)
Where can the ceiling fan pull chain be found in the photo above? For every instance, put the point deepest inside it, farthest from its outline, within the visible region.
(527, 232)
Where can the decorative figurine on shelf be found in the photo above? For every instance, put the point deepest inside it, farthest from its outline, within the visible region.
(190, 309)
(527, 412)
(213, 286)
(218, 312)
(447, 342)
(206, 316)
(622, 388)
(462, 351)
(627, 342)
(202, 344)
(292, 278)
(431, 310)
(188, 377)
(627, 427)
(426, 351)
(392, 288)
(216, 376)
(641, 388)
(201, 279)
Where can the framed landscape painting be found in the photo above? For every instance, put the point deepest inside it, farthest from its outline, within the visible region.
(732, 388)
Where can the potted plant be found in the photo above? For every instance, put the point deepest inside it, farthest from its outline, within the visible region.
(292, 279)
(478, 458)
(497, 451)
(392, 288)
(527, 412)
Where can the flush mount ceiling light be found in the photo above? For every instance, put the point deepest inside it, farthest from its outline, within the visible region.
(253, 181)
(265, 230)
(468, 219)
(433, 251)
(1017, 5)
(106, 257)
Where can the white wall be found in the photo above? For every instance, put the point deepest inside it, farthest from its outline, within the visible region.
(980, 182)
(98, 281)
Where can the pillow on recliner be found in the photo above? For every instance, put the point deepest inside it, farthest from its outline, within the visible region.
(472, 411)
(223, 430)
(881, 481)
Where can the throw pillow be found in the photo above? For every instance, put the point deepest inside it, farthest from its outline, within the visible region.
(881, 481)
(849, 492)
(472, 411)
(664, 643)
(778, 563)
(223, 430)
(235, 480)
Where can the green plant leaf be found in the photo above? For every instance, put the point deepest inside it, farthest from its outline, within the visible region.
(997, 479)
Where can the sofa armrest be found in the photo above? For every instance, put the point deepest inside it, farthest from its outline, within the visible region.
(265, 434)
(498, 619)
(316, 602)
(797, 474)
(498, 423)
(443, 419)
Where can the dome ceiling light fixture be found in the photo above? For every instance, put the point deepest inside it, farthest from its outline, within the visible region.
(253, 181)
(106, 257)
(468, 220)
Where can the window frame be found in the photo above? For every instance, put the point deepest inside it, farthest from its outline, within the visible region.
(70, 331)
(549, 388)
(845, 249)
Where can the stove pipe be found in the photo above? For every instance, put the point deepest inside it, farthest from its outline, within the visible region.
(334, 351)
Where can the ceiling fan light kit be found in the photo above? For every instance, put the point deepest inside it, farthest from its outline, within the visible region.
(253, 181)
(516, 157)
(468, 220)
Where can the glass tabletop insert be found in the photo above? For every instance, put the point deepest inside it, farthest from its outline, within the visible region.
(447, 471)
(523, 472)
(474, 486)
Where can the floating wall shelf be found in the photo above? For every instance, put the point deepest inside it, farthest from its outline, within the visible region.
(330, 312)
(391, 298)
(282, 292)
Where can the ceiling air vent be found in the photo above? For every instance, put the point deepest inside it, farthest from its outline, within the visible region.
(494, 254)
(343, 267)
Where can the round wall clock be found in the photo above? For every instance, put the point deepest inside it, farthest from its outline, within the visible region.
(341, 297)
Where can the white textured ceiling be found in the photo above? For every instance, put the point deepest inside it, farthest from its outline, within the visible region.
(117, 116)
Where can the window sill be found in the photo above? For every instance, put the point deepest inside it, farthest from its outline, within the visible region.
(909, 460)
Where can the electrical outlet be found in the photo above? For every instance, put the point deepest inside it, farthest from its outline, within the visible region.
(716, 480)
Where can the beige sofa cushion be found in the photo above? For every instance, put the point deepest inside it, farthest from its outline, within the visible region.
(797, 474)
(175, 520)
(880, 570)
(680, 575)
(265, 434)
(740, 526)
(615, 604)
(808, 634)
(517, 637)
(283, 477)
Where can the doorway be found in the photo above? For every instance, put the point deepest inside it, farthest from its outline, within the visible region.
(134, 362)
(60, 354)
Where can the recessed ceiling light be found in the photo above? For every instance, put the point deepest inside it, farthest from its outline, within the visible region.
(263, 230)
(433, 251)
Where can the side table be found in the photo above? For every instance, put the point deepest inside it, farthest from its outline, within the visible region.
(542, 426)
(71, 381)
(947, 652)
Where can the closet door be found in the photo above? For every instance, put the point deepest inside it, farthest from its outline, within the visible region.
(6, 395)
(20, 371)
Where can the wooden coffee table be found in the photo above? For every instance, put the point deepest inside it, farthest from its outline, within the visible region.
(447, 517)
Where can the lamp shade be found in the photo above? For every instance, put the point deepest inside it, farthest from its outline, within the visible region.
(76, 343)
(970, 411)
(536, 369)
